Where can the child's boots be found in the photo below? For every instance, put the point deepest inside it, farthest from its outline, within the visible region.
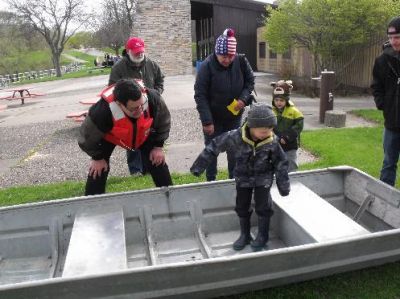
(263, 234)
(245, 236)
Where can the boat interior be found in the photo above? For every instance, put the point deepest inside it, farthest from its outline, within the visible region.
(113, 232)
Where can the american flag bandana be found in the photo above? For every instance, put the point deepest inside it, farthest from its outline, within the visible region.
(226, 43)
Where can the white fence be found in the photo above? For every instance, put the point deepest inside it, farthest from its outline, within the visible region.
(7, 80)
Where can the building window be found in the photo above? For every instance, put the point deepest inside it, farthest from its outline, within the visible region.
(287, 54)
(272, 55)
(261, 51)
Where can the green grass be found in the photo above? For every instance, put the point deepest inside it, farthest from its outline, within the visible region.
(357, 147)
(41, 60)
(45, 192)
(80, 55)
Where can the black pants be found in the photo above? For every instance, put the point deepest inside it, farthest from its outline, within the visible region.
(262, 198)
(160, 174)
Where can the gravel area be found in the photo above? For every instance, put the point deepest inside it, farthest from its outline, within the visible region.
(48, 152)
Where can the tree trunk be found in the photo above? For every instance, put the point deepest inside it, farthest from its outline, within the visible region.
(56, 63)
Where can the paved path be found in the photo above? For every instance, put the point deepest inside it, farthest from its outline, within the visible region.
(38, 145)
(73, 58)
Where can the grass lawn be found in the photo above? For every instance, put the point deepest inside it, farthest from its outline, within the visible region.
(357, 147)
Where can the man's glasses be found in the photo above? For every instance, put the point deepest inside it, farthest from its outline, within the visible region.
(141, 107)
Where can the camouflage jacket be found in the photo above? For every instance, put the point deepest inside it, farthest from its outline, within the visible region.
(256, 163)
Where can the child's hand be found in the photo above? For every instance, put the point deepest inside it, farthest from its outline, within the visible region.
(284, 192)
(196, 173)
(199, 166)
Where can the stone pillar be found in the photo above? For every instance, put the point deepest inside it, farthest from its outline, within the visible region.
(165, 27)
(335, 118)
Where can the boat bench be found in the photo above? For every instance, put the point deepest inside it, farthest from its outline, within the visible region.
(319, 219)
(97, 243)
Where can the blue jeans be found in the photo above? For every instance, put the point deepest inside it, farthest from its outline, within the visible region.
(220, 128)
(135, 163)
(391, 150)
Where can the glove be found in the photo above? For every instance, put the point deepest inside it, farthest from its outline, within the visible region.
(284, 192)
(198, 166)
(195, 172)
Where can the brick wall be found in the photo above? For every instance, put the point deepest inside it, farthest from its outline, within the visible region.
(165, 27)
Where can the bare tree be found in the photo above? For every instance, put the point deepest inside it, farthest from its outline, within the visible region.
(55, 20)
(117, 22)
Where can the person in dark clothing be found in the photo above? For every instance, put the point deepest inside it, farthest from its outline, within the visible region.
(132, 117)
(258, 157)
(386, 91)
(222, 89)
(136, 65)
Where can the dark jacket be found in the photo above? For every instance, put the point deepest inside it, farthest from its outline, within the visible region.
(99, 121)
(256, 163)
(386, 87)
(217, 86)
(147, 70)
(290, 125)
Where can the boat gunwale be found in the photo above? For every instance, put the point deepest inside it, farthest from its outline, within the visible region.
(89, 199)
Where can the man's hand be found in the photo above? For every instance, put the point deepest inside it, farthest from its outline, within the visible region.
(282, 141)
(240, 105)
(97, 167)
(208, 129)
(157, 156)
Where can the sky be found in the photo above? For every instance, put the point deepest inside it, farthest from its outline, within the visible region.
(93, 3)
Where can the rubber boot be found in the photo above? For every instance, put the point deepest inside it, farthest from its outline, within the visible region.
(262, 235)
(245, 236)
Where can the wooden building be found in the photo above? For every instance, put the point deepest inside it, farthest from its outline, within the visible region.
(177, 33)
(211, 17)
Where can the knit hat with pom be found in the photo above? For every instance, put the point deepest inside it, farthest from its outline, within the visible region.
(226, 43)
(282, 89)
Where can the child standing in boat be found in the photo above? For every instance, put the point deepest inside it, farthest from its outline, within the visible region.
(258, 157)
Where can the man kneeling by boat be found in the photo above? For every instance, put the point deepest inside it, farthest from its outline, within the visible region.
(132, 117)
(258, 157)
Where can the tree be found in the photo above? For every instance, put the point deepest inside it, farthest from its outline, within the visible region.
(53, 19)
(17, 38)
(82, 38)
(328, 28)
(116, 23)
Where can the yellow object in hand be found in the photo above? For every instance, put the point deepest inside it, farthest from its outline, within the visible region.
(231, 107)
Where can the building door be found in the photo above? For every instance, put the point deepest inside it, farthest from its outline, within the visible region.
(202, 30)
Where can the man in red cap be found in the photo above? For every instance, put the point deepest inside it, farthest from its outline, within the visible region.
(136, 65)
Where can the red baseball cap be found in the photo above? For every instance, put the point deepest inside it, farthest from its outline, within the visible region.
(135, 44)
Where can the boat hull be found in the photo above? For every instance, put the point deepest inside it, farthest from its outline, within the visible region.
(168, 222)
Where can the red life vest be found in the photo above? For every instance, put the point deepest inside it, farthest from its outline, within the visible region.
(124, 130)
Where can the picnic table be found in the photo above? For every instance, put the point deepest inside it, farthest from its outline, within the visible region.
(20, 93)
(79, 116)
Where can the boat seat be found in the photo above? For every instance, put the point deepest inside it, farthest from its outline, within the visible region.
(319, 219)
(97, 243)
